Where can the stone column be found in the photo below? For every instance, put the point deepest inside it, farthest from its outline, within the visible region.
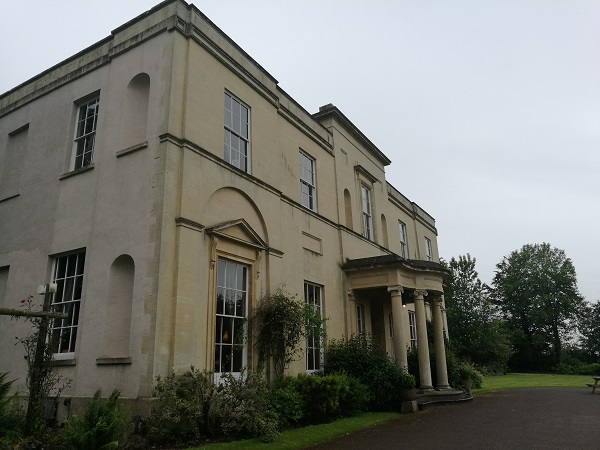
(440, 348)
(425, 383)
(399, 336)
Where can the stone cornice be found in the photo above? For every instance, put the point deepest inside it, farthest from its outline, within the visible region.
(394, 260)
(330, 111)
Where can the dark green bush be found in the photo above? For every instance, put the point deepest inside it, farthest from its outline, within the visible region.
(407, 381)
(469, 372)
(360, 358)
(453, 364)
(356, 400)
(11, 415)
(578, 369)
(287, 402)
(184, 410)
(243, 408)
(103, 425)
(321, 396)
(192, 406)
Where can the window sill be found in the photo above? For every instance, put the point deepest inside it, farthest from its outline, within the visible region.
(107, 360)
(76, 172)
(133, 148)
(64, 362)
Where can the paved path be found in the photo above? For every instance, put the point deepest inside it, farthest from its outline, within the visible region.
(540, 418)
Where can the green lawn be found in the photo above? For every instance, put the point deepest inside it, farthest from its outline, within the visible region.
(525, 380)
(304, 437)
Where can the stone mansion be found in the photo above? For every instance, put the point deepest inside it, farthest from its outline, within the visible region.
(164, 182)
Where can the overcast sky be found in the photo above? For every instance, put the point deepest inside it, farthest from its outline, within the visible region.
(489, 110)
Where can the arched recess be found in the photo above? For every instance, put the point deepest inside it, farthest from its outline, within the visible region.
(229, 203)
(348, 208)
(118, 308)
(384, 231)
(135, 111)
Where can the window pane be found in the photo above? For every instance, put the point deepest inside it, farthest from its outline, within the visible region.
(221, 273)
(220, 300)
(240, 305)
(218, 358)
(229, 302)
(236, 125)
(226, 358)
(238, 358)
(68, 293)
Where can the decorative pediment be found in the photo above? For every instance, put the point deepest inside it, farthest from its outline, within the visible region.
(238, 231)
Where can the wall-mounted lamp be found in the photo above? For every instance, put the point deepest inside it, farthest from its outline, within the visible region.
(44, 288)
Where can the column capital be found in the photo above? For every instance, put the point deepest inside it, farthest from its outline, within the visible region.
(437, 299)
(419, 293)
(395, 289)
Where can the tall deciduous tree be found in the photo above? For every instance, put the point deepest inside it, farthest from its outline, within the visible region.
(536, 290)
(589, 330)
(476, 333)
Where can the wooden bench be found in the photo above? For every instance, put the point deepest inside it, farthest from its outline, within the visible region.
(594, 385)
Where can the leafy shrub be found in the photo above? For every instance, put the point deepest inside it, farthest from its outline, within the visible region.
(359, 358)
(11, 415)
(243, 408)
(287, 402)
(578, 369)
(103, 425)
(184, 410)
(469, 372)
(356, 400)
(321, 396)
(453, 365)
(192, 406)
(407, 381)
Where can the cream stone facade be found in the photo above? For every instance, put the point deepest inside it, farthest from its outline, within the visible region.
(166, 183)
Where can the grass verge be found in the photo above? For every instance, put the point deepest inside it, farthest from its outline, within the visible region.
(303, 437)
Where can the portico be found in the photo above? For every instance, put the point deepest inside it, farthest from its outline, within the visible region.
(387, 288)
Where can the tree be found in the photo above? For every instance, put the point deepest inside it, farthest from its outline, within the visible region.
(589, 330)
(536, 290)
(477, 333)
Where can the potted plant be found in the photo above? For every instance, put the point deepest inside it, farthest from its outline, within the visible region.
(469, 377)
(407, 386)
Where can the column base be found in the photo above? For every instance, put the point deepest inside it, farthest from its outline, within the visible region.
(443, 387)
(426, 389)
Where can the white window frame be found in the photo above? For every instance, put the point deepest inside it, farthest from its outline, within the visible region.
(403, 240)
(428, 250)
(236, 141)
(68, 274)
(360, 319)
(85, 133)
(231, 313)
(412, 326)
(313, 296)
(367, 212)
(308, 187)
